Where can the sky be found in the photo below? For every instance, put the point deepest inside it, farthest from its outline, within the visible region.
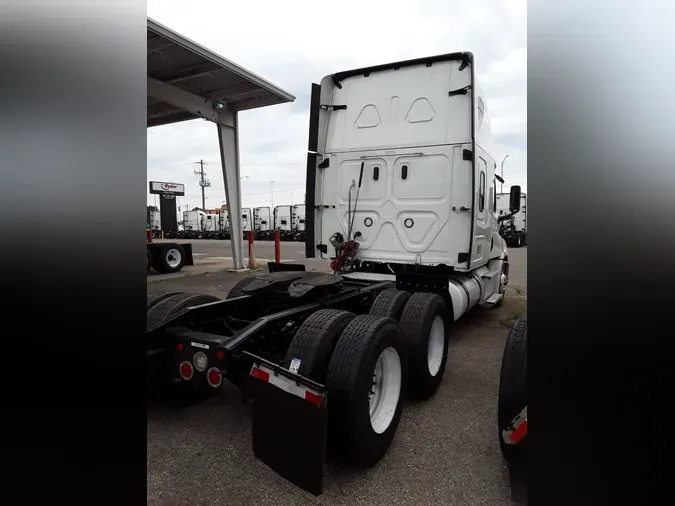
(293, 44)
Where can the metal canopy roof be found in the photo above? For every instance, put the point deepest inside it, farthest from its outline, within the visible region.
(182, 63)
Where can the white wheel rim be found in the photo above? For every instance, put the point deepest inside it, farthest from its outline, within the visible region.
(385, 391)
(436, 346)
(173, 257)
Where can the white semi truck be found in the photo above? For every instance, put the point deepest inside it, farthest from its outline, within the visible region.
(402, 202)
(283, 221)
(513, 229)
(262, 223)
(299, 219)
(246, 221)
(155, 221)
(209, 224)
(193, 224)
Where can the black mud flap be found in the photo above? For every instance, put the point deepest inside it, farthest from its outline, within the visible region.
(189, 259)
(289, 429)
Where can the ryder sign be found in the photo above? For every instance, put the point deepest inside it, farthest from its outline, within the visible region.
(159, 188)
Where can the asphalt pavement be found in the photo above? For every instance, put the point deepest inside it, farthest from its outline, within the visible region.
(445, 450)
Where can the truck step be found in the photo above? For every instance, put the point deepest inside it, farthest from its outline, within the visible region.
(491, 274)
(494, 299)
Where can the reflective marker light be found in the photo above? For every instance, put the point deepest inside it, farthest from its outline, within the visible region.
(185, 370)
(220, 355)
(200, 360)
(179, 347)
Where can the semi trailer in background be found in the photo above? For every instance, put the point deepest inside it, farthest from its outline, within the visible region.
(209, 225)
(262, 223)
(192, 224)
(223, 224)
(283, 222)
(246, 221)
(154, 221)
(298, 212)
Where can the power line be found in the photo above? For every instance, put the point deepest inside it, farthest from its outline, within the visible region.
(171, 166)
(266, 192)
(256, 164)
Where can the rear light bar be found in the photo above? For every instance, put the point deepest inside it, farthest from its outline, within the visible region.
(517, 430)
(267, 375)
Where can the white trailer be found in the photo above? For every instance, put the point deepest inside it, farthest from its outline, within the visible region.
(246, 220)
(192, 224)
(209, 225)
(155, 222)
(514, 229)
(223, 224)
(283, 221)
(262, 222)
(299, 219)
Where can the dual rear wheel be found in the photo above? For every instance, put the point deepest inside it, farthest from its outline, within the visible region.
(369, 363)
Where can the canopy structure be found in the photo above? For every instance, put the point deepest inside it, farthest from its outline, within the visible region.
(187, 81)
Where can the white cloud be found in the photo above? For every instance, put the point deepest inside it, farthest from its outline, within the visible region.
(293, 44)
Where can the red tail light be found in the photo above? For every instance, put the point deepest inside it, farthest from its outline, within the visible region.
(186, 370)
(214, 377)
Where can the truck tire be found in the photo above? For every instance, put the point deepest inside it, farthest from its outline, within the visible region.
(238, 289)
(513, 388)
(425, 323)
(157, 297)
(390, 302)
(366, 381)
(175, 305)
(168, 258)
(314, 342)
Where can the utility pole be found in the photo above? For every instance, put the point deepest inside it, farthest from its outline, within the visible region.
(203, 182)
(272, 192)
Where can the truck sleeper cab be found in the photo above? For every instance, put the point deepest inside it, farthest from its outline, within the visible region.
(401, 199)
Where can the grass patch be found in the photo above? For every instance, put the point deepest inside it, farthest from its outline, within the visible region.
(512, 309)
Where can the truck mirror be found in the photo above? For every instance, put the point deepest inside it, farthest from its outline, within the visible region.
(514, 201)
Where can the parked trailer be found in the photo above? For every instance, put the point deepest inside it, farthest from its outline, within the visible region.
(262, 223)
(168, 257)
(246, 221)
(209, 225)
(299, 222)
(223, 224)
(329, 358)
(514, 229)
(283, 222)
(192, 223)
(155, 222)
